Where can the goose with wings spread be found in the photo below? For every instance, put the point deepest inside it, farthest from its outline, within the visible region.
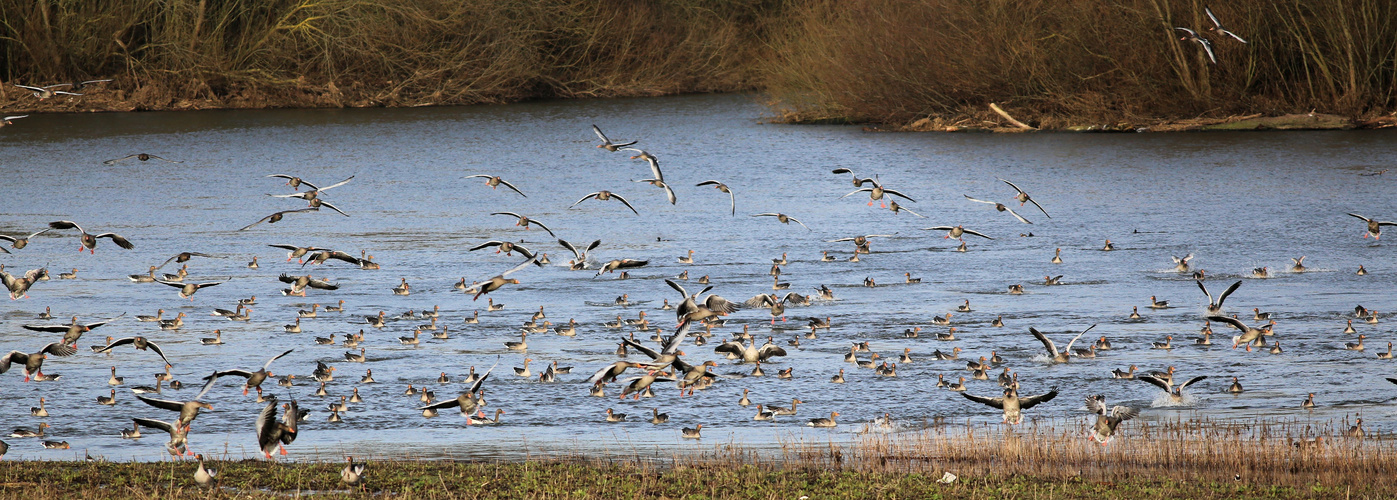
(276, 217)
(494, 181)
(1011, 403)
(47, 92)
(858, 181)
(668, 354)
(1000, 207)
(314, 192)
(1107, 418)
(750, 353)
(273, 435)
(1215, 305)
(1374, 228)
(18, 243)
(1023, 197)
(254, 379)
(1218, 27)
(579, 261)
(1176, 394)
(732, 200)
(524, 222)
(72, 331)
(606, 142)
(89, 241)
(499, 280)
(295, 252)
(34, 362)
(187, 290)
(784, 219)
(691, 310)
(140, 343)
(188, 410)
(468, 402)
(604, 195)
(1191, 36)
(141, 157)
(657, 178)
(957, 232)
(615, 264)
(877, 192)
(1053, 354)
(1248, 334)
(19, 287)
(861, 241)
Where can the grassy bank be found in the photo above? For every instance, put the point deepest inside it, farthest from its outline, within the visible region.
(1183, 459)
(1062, 63)
(319, 53)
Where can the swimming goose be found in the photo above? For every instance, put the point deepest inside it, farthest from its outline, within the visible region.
(133, 433)
(1122, 374)
(293, 328)
(940, 320)
(948, 336)
(1158, 304)
(1135, 312)
(1176, 394)
(216, 340)
(1057, 257)
(107, 400)
(1023, 197)
(479, 419)
(1372, 318)
(954, 354)
(732, 200)
(1276, 347)
(1349, 328)
(1261, 272)
(784, 219)
(1054, 355)
(607, 144)
(254, 379)
(1309, 403)
(1107, 419)
(524, 372)
(1356, 346)
(1190, 35)
(1015, 289)
(1388, 354)
(1163, 345)
(1361, 271)
(1260, 316)
(906, 355)
(495, 182)
(998, 321)
(1102, 344)
(1048, 281)
(1109, 246)
(1207, 339)
(1215, 306)
(957, 386)
(1000, 207)
(1012, 404)
(824, 422)
(867, 364)
(1236, 387)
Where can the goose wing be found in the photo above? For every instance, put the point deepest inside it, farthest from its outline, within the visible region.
(1156, 381)
(491, 243)
(67, 224)
(1229, 291)
(1079, 335)
(268, 364)
(58, 349)
(1212, 17)
(856, 191)
(1047, 342)
(1236, 323)
(672, 346)
(1365, 219)
(584, 198)
(475, 388)
(1231, 34)
(993, 402)
(637, 345)
(977, 233)
(1032, 401)
(1015, 214)
(680, 289)
(283, 176)
(511, 186)
(163, 404)
(324, 203)
(719, 305)
(155, 424)
(600, 135)
(576, 254)
(624, 202)
(1192, 380)
(335, 185)
(900, 195)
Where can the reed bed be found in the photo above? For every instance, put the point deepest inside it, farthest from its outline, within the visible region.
(1170, 459)
(255, 53)
(1059, 63)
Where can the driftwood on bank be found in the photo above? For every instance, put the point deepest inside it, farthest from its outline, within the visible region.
(1011, 119)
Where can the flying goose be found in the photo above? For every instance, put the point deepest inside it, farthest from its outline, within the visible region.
(607, 144)
(1054, 355)
(784, 219)
(1011, 403)
(1217, 26)
(494, 181)
(1023, 197)
(1000, 207)
(605, 195)
(732, 200)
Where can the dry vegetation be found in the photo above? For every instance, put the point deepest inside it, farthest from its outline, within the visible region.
(1057, 63)
(932, 63)
(1178, 459)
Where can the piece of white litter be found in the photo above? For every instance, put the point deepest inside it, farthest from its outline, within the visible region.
(947, 478)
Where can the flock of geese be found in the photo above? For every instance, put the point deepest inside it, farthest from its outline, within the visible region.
(642, 363)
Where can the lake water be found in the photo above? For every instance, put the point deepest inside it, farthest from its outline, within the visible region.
(1237, 201)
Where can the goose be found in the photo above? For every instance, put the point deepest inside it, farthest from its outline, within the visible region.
(1102, 344)
(403, 288)
(47, 314)
(1051, 280)
(187, 290)
(710, 307)
(33, 362)
(1309, 403)
(1054, 355)
(1176, 394)
(658, 179)
(480, 419)
(763, 414)
(1276, 347)
(308, 314)
(657, 417)
(45, 92)
(1123, 374)
(41, 411)
(525, 221)
(1356, 346)
(1248, 333)
(877, 192)
(1388, 354)
(995, 360)
(954, 354)
(607, 144)
(107, 400)
(838, 378)
(172, 324)
(18, 243)
(355, 398)
(1361, 271)
(1207, 339)
(579, 261)
(523, 372)
(1016, 289)
(1217, 26)
(368, 377)
(19, 287)
(494, 181)
(1135, 312)
(1158, 304)
(216, 340)
(188, 410)
(1108, 247)
(1163, 345)
(1012, 404)
(824, 422)
(71, 331)
(293, 328)
(692, 433)
(1190, 35)
(145, 389)
(1057, 257)
(1299, 266)
(69, 276)
(956, 232)
(1000, 207)
(1107, 419)
(957, 386)
(273, 435)
(605, 195)
(868, 364)
(776, 284)
(355, 358)
(948, 336)
(1261, 272)
(1181, 263)
(612, 416)
(1372, 318)
(521, 345)
(1349, 328)
(1261, 316)
(1236, 387)
(253, 264)
(1022, 197)
(941, 320)
(998, 321)
(473, 319)
(784, 219)
(1215, 306)
(254, 379)
(965, 308)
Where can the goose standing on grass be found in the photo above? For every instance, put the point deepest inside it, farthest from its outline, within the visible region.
(1107, 418)
(494, 181)
(607, 144)
(204, 476)
(353, 474)
(1215, 305)
(784, 219)
(1374, 227)
(1054, 355)
(1011, 403)
(732, 200)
